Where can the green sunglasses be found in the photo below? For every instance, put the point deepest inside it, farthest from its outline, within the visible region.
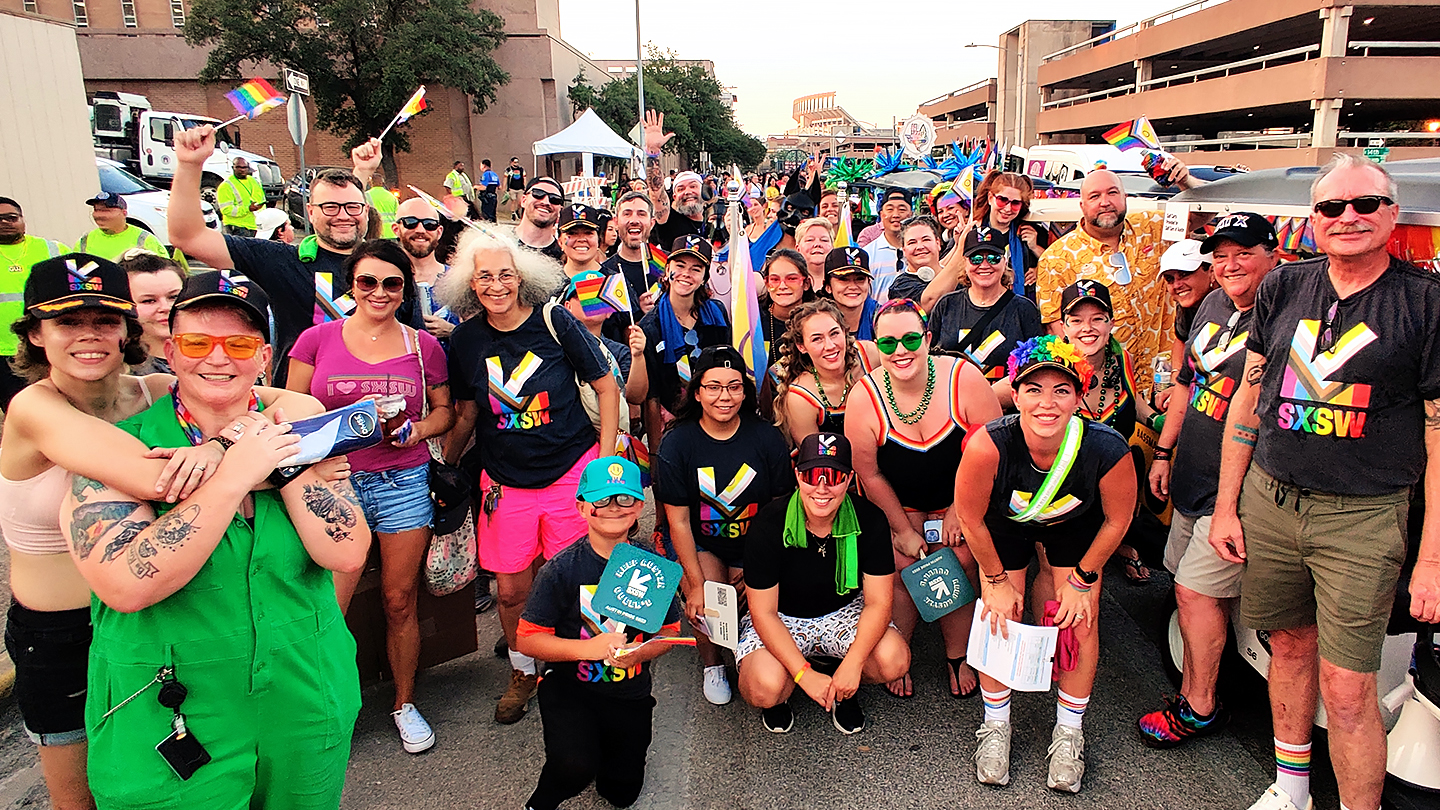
(910, 340)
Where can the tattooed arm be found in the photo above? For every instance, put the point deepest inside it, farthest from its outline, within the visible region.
(1242, 429)
(329, 519)
(655, 140)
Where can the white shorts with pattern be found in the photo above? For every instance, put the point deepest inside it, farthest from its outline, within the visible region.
(831, 634)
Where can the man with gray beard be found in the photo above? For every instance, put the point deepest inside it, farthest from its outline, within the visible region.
(686, 214)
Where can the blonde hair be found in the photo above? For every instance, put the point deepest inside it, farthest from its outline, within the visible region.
(540, 276)
(1007, 275)
(814, 222)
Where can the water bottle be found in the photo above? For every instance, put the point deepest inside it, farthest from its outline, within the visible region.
(1162, 371)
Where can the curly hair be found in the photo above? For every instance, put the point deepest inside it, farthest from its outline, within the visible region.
(792, 362)
(540, 276)
(30, 362)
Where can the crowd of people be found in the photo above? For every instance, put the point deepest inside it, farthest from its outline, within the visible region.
(959, 382)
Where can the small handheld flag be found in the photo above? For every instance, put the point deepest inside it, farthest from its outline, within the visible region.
(616, 293)
(442, 210)
(655, 265)
(843, 235)
(587, 291)
(253, 98)
(1137, 134)
(415, 105)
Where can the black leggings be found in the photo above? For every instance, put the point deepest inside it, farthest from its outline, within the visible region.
(591, 737)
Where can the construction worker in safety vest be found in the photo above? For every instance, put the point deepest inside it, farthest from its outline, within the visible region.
(384, 202)
(461, 197)
(115, 234)
(18, 252)
(239, 197)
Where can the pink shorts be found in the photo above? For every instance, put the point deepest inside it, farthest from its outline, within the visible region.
(529, 522)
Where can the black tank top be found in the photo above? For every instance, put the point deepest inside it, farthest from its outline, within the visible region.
(1077, 503)
(923, 473)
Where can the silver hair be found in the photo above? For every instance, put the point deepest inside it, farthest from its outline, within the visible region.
(1345, 160)
(540, 276)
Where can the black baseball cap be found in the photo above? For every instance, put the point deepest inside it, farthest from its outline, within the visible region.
(716, 357)
(693, 245)
(1243, 228)
(981, 239)
(579, 215)
(226, 287)
(844, 261)
(109, 199)
(894, 194)
(1086, 290)
(535, 181)
(830, 450)
(75, 281)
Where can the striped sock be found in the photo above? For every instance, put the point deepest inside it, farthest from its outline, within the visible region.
(997, 705)
(1070, 710)
(1292, 770)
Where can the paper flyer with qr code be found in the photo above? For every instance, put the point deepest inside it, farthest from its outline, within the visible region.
(1022, 662)
(722, 614)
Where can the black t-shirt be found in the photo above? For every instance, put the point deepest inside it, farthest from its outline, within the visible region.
(531, 428)
(723, 482)
(1213, 367)
(617, 326)
(806, 576)
(1017, 479)
(1349, 421)
(1184, 318)
(514, 178)
(559, 601)
(664, 234)
(955, 315)
(907, 285)
(668, 380)
(552, 250)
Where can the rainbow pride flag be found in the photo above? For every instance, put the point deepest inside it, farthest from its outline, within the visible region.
(588, 293)
(415, 105)
(635, 450)
(656, 263)
(254, 97)
(1137, 134)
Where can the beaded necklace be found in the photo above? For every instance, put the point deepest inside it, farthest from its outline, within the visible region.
(916, 415)
(820, 390)
(1110, 381)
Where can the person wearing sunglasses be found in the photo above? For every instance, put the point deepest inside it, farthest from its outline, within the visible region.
(1211, 370)
(1335, 424)
(516, 364)
(1120, 250)
(920, 252)
(420, 229)
(787, 286)
(595, 701)
(370, 355)
(18, 253)
(1044, 478)
(984, 320)
(190, 588)
(540, 207)
(819, 367)
(717, 465)
(819, 578)
(1003, 203)
(907, 428)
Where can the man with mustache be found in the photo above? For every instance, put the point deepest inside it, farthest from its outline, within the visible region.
(683, 217)
(418, 228)
(634, 219)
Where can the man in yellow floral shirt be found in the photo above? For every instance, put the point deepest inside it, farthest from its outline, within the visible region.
(1123, 253)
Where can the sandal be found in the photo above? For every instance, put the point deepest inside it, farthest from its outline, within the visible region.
(1135, 570)
(901, 680)
(955, 664)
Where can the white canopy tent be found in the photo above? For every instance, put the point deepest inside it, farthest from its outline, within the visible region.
(590, 137)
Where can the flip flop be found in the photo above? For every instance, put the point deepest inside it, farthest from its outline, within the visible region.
(1135, 570)
(954, 664)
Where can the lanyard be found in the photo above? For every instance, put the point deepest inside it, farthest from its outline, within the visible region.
(1069, 449)
(187, 419)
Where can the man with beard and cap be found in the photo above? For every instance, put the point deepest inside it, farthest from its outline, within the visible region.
(539, 211)
(307, 282)
(885, 252)
(686, 215)
(634, 219)
(418, 228)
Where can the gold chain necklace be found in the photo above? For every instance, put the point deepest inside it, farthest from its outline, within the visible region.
(15, 266)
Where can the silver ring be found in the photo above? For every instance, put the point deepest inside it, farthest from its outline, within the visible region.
(199, 468)
(238, 430)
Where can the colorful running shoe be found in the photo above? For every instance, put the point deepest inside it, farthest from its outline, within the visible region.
(1177, 723)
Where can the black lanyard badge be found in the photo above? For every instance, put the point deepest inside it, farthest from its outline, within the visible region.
(181, 751)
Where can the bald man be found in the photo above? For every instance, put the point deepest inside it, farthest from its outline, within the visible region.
(1121, 251)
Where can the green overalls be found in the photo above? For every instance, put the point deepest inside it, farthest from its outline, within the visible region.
(258, 640)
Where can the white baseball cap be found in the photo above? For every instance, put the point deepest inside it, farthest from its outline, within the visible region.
(1184, 256)
(268, 221)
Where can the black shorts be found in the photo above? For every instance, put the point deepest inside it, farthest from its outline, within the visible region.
(1065, 543)
(51, 651)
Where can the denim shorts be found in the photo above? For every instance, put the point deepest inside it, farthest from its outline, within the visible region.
(51, 651)
(395, 500)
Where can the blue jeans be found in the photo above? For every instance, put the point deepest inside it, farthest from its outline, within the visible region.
(395, 501)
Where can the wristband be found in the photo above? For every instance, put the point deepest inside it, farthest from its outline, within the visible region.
(225, 444)
(998, 578)
(655, 155)
(1164, 453)
(801, 673)
(1076, 583)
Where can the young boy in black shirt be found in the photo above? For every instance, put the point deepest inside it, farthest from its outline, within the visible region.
(595, 698)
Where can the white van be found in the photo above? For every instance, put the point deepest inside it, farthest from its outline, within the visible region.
(1066, 162)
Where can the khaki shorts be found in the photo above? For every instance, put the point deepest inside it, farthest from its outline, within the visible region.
(1195, 564)
(1314, 558)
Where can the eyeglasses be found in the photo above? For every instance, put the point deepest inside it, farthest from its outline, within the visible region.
(541, 194)
(1368, 204)
(824, 476)
(1121, 267)
(992, 259)
(734, 389)
(1329, 328)
(367, 284)
(196, 345)
(505, 277)
(622, 501)
(1001, 201)
(9, 218)
(331, 209)
(411, 222)
(910, 340)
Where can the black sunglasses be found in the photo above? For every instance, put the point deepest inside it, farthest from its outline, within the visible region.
(392, 284)
(541, 194)
(1368, 204)
(1329, 328)
(412, 222)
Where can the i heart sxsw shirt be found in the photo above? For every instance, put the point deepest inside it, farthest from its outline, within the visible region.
(1349, 419)
(1212, 369)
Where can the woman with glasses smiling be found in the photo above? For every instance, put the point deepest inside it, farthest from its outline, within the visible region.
(907, 430)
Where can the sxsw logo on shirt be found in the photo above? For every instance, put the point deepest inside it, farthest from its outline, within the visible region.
(719, 517)
(512, 412)
(1058, 508)
(592, 624)
(982, 350)
(1313, 402)
(1213, 390)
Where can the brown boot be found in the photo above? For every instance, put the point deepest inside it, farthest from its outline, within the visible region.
(511, 707)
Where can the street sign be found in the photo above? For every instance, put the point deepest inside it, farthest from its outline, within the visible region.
(297, 82)
(298, 120)
(1377, 153)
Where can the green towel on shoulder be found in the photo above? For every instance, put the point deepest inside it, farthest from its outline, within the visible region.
(846, 531)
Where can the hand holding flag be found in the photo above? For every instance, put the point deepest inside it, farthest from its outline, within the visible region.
(1137, 134)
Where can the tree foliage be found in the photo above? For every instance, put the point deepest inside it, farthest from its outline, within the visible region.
(364, 57)
(690, 99)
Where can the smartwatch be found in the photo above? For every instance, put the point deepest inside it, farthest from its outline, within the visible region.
(1087, 577)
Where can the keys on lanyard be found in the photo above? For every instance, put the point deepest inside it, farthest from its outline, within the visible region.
(165, 674)
(172, 695)
(491, 500)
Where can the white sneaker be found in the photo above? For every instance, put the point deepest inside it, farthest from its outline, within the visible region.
(1276, 799)
(717, 688)
(992, 754)
(415, 733)
(1067, 759)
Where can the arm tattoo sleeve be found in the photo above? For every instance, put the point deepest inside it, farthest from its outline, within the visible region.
(1432, 414)
(90, 521)
(171, 531)
(79, 484)
(334, 509)
(138, 557)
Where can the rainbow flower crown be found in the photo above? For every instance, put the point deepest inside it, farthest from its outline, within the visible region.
(1049, 350)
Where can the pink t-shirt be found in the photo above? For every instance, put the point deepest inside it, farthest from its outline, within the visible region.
(341, 379)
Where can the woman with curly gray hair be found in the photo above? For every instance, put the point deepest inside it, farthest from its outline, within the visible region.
(513, 372)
